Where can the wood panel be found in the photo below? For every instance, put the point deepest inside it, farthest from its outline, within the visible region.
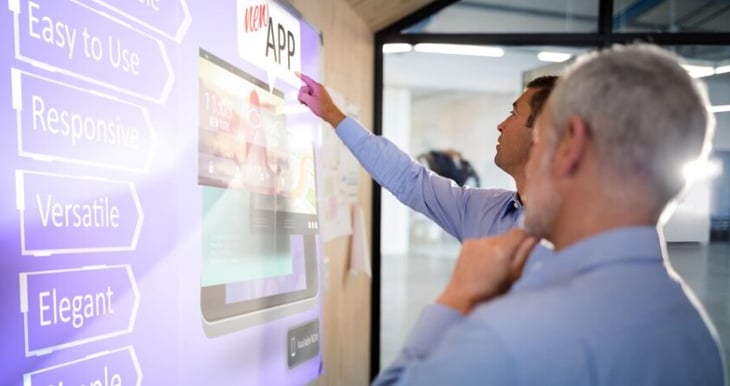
(348, 69)
(379, 14)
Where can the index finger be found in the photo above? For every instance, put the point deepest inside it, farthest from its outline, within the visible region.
(514, 238)
(307, 80)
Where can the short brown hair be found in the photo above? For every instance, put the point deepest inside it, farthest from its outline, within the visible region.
(544, 85)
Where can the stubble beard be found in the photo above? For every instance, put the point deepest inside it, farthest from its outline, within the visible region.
(543, 203)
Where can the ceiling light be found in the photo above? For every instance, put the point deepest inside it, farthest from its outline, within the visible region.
(459, 49)
(722, 69)
(696, 71)
(396, 48)
(555, 57)
(720, 109)
(701, 169)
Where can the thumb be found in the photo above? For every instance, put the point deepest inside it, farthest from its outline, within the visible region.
(520, 257)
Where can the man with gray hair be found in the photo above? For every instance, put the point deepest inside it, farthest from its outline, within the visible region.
(606, 308)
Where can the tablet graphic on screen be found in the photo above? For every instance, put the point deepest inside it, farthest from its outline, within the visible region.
(259, 227)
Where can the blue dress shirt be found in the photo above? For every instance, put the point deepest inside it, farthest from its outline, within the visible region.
(607, 310)
(463, 212)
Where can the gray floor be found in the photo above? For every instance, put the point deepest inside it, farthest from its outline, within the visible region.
(410, 282)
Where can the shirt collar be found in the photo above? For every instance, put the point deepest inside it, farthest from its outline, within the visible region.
(513, 203)
(617, 245)
(516, 200)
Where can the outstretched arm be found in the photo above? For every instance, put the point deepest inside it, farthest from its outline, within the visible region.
(450, 206)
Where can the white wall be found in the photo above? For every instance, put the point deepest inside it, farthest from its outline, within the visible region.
(463, 121)
(421, 121)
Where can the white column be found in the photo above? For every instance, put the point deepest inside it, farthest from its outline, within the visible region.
(394, 225)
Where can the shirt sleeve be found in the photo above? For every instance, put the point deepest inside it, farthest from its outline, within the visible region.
(446, 348)
(412, 183)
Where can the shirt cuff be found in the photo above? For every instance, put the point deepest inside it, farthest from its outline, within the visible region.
(435, 320)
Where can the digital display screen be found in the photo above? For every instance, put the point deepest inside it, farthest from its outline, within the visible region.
(258, 195)
(159, 217)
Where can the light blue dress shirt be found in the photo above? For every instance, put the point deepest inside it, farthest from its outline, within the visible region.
(463, 212)
(607, 310)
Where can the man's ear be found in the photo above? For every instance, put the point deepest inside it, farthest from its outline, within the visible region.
(572, 147)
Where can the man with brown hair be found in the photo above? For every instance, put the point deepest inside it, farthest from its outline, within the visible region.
(463, 212)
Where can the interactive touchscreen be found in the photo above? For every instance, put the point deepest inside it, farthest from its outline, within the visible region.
(158, 204)
(258, 196)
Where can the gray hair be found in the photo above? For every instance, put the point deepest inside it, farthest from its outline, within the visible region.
(645, 114)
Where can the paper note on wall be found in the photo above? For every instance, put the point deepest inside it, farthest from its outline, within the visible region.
(359, 249)
(340, 181)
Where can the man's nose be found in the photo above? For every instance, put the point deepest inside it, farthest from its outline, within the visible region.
(501, 125)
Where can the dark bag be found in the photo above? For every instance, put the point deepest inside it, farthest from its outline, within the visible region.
(450, 164)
